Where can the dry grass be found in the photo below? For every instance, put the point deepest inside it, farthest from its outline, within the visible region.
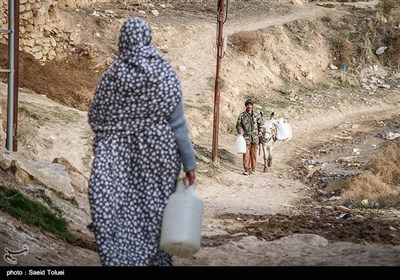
(358, 37)
(390, 35)
(342, 50)
(245, 41)
(392, 56)
(387, 6)
(387, 165)
(379, 186)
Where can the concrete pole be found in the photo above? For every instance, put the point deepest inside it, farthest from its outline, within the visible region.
(16, 75)
(10, 96)
(13, 58)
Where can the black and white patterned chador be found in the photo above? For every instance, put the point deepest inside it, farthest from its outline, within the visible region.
(136, 159)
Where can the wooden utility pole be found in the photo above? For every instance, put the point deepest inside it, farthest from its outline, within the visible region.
(220, 19)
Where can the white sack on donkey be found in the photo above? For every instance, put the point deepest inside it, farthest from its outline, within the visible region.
(283, 130)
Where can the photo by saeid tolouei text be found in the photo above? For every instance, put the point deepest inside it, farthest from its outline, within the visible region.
(30, 272)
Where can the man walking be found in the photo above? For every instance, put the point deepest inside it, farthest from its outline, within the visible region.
(249, 125)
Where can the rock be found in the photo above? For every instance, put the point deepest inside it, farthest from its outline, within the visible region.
(51, 55)
(74, 37)
(67, 165)
(20, 173)
(386, 86)
(333, 67)
(359, 218)
(38, 55)
(52, 176)
(40, 20)
(297, 2)
(389, 135)
(164, 49)
(78, 182)
(356, 151)
(313, 239)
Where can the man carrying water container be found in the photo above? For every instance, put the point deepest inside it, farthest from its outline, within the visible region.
(249, 125)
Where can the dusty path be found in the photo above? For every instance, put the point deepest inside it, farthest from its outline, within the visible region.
(277, 191)
(307, 12)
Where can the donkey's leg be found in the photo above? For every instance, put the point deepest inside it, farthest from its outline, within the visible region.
(264, 149)
(270, 154)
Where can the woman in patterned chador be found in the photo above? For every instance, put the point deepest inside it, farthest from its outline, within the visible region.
(141, 141)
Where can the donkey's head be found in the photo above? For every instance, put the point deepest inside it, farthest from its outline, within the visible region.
(266, 127)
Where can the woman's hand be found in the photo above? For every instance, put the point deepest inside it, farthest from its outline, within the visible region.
(188, 180)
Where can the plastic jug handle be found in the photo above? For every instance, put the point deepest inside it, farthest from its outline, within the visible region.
(182, 188)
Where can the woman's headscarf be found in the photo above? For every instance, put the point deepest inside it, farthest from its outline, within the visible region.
(140, 89)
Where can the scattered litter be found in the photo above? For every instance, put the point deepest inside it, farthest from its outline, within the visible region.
(380, 50)
(239, 234)
(389, 135)
(364, 202)
(343, 216)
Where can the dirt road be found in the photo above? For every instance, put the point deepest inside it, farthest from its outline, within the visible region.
(282, 193)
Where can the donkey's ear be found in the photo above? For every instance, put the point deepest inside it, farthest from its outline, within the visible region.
(272, 115)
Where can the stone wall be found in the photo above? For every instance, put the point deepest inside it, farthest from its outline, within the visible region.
(43, 31)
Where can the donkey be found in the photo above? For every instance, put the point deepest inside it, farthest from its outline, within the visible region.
(267, 139)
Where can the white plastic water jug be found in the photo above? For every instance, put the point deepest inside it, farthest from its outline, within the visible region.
(182, 221)
(240, 144)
